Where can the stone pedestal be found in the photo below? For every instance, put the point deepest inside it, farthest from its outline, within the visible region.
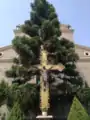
(42, 117)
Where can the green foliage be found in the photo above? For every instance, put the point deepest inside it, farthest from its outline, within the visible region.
(84, 94)
(16, 113)
(77, 111)
(29, 101)
(4, 88)
(10, 94)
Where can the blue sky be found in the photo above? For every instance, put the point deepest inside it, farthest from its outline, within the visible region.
(73, 12)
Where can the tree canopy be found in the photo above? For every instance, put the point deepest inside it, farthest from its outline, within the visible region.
(43, 28)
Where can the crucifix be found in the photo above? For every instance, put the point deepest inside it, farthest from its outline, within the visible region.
(44, 84)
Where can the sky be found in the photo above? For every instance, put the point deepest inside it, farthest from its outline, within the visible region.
(73, 12)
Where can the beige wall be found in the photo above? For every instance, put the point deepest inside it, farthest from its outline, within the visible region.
(67, 32)
(3, 67)
(5, 62)
(81, 51)
(84, 69)
(83, 64)
(68, 36)
(8, 54)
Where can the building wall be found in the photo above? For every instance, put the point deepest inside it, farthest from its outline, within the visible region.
(3, 67)
(82, 51)
(67, 32)
(6, 62)
(83, 65)
(8, 54)
(84, 69)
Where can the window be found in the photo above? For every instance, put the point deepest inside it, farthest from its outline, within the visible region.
(1, 54)
(86, 53)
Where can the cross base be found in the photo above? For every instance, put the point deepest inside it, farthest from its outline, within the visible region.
(44, 117)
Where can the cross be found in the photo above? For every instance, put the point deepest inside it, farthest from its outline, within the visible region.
(44, 85)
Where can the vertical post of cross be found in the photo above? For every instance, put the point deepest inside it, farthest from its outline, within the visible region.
(44, 85)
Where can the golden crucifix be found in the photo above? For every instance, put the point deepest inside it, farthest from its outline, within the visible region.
(44, 85)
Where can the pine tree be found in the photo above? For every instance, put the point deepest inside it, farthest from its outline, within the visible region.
(16, 113)
(27, 95)
(43, 28)
(77, 111)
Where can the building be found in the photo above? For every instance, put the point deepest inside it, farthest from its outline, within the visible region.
(7, 54)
